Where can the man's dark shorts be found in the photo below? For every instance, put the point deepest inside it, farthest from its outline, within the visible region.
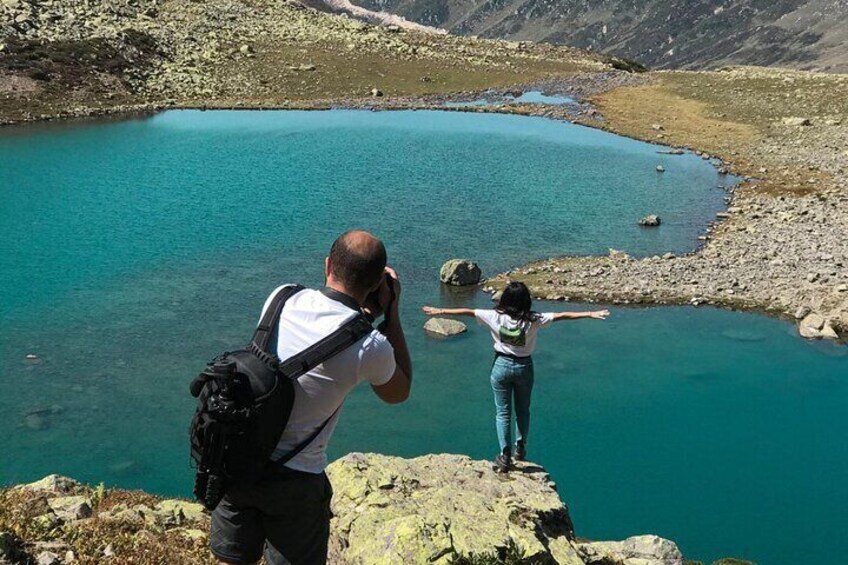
(289, 509)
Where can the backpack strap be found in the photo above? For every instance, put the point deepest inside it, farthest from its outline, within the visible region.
(346, 335)
(271, 318)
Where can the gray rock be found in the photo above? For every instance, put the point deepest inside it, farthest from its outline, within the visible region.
(660, 169)
(397, 511)
(70, 508)
(802, 312)
(460, 272)
(811, 326)
(636, 550)
(650, 221)
(444, 327)
(796, 121)
(56, 484)
(47, 558)
(376, 92)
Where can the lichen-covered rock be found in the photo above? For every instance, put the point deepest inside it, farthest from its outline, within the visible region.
(54, 484)
(636, 550)
(180, 511)
(434, 508)
(460, 272)
(70, 508)
(444, 327)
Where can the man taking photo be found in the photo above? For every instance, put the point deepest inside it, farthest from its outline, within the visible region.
(287, 513)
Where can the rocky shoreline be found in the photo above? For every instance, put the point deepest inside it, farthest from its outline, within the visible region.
(445, 509)
(780, 248)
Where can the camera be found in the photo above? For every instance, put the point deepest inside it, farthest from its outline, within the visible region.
(373, 300)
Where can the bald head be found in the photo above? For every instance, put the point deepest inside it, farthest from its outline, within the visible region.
(357, 260)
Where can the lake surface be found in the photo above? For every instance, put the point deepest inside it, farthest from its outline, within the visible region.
(529, 97)
(135, 251)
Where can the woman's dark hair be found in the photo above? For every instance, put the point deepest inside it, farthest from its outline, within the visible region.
(515, 302)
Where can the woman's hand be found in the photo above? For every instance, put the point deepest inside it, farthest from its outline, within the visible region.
(599, 314)
(430, 311)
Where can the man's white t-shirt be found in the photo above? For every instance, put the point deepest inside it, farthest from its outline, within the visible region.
(513, 337)
(308, 317)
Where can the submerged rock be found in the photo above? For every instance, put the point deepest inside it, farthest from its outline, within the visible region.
(444, 327)
(660, 169)
(460, 272)
(36, 422)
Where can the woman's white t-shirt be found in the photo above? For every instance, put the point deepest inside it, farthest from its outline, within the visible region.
(511, 336)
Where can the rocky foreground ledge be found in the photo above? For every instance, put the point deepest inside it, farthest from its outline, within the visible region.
(446, 509)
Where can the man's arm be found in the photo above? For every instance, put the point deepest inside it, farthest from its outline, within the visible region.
(430, 311)
(596, 314)
(397, 389)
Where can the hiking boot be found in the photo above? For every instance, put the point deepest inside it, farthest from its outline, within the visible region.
(521, 451)
(503, 462)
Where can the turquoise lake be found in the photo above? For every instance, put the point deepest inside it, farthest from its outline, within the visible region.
(134, 251)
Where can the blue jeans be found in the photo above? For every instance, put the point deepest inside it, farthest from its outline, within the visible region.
(512, 381)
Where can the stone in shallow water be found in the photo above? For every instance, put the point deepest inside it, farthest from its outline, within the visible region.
(460, 272)
(444, 327)
(650, 221)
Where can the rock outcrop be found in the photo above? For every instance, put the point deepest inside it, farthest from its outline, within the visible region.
(460, 272)
(433, 509)
(437, 508)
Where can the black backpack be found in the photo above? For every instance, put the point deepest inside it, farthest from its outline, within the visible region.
(245, 398)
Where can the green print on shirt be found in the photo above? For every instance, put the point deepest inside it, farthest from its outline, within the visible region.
(513, 336)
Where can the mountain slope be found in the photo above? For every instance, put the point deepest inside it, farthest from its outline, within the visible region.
(807, 34)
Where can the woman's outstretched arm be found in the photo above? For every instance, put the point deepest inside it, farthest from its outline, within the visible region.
(430, 311)
(596, 314)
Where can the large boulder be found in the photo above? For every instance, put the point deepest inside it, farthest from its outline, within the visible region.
(460, 272)
(637, 550)
(444, 327)
(435, 508)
